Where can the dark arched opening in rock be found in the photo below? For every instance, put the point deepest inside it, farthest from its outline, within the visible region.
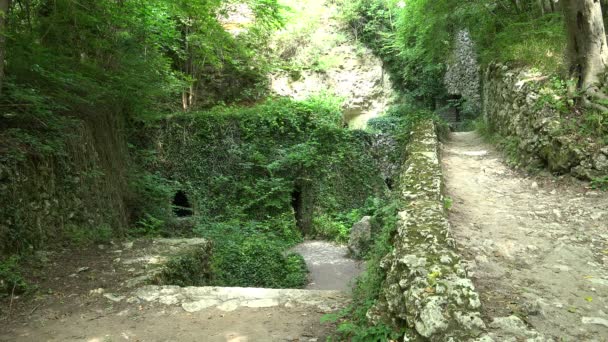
(302, 204)
(181, 205)
(296, 204)
(389, 183)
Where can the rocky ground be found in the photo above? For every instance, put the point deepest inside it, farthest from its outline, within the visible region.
(98, 294)
(537, 247)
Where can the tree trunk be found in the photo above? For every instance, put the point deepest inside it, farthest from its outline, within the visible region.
(4, 6)
(541, 4)
(587, 49)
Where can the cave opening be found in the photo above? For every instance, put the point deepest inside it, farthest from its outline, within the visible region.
(389, 183)
(181, 205)
(296, 204)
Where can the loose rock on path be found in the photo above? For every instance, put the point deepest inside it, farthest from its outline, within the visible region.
(537, 247)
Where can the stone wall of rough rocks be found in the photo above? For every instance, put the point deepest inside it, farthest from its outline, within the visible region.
(426, 288)
(514, 106)
(78, 191)
(463, 74)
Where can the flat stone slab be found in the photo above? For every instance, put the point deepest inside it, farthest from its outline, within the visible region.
(194, 299)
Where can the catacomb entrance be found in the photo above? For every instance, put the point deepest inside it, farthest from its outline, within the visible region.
(296, 204)
(302, 203)
(181, 205)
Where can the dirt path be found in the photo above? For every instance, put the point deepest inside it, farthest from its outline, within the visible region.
(329, 266)
(171, 323)
(96, 305)
(536, 247)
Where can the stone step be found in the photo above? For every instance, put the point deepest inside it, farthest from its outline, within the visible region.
(194, 299)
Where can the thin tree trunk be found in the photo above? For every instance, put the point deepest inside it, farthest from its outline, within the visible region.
(516, 5)
(587, 49)
(4, 6)
(541, 4)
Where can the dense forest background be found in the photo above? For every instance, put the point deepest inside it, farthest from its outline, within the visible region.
(113, 111)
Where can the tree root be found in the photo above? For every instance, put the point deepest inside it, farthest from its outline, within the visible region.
(593, 94)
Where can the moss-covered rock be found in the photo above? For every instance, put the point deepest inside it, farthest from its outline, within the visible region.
(426, 288)
(524, 104)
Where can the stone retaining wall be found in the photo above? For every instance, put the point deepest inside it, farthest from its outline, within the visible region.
(76, 188)
(426, 288)
(515, 106)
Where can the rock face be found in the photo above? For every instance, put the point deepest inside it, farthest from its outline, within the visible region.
(342, 67)
(426, 288)
(463, 74)
(360, 237)
(386, 152)
(515, 106)
(46, 196)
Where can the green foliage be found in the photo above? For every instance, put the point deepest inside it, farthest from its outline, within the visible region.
(327, 228)
(148, 226)
(524, 40)
(353, 323)
(149, 198)
(448, 202)
(83, 75)
(600, 183)
(305, 43)
(336, 226)
(297, 272)
(595, 124)
(86, 236)
(555, 94)
(252, 254)
(188, 269)
(245, 162)
(11, 279)
(415, 38)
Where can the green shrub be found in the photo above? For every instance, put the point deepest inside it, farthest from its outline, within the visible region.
(253, 254)
(600, 183)
(328, 228)
(148, 226)
(296, 271)
(85, 236)
(255, 261)
(11, 279)
(247, 162)
(353, 323)
(188, 269)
